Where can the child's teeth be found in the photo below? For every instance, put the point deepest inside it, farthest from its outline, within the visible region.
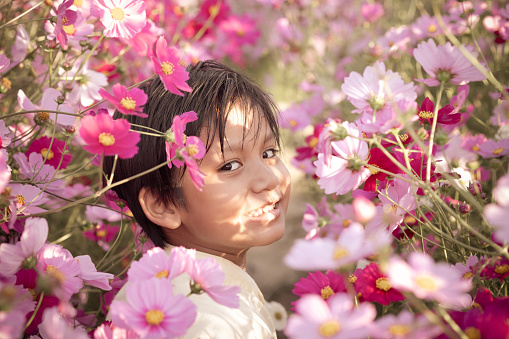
(260, 211)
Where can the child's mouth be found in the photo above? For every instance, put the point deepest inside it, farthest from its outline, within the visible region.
(269, 209)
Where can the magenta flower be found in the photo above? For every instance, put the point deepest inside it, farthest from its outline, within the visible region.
(240, 29)
(376, 88)
(91, 276)
(324, 285)
(48, 102)
(429, 280)
(126, 102)
(374, 286)
(103, 135)
(445, 115)
(65, 17)
(337, 319)
(52, 151)
(378, 159)
(166, 63)
(156, 263)
(59, 266)
(345, 169)
(12, 257)
(152, 311)
(446, 63)
(121, 18)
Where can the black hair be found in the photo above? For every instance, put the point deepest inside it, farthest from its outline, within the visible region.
(216, 90)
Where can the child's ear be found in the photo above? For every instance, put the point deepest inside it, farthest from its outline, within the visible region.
(157, 212)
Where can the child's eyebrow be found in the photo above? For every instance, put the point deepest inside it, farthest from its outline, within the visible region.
(238, 145)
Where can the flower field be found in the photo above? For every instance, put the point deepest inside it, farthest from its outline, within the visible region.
(394, 119)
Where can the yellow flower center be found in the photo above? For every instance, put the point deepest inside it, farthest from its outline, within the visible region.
(117, 13)
(43, 116)
(326, 292)
(475, 148)
(154, 317)
(192, 150)
(346, 223)
(6, 83)
(352, 279)
(128, 103)
(293, 123)
(78, 3)
(167, 67)
(404, 137)
(8, 293)
(69, 29)
(426, 282)
(241, 33)
(54, 272)
(64, 21)
(473, 333)
(432, 28)
(162, 274)
(383, 284)
(339, 253)
(468, 275)
(313, 142)
(374, 170)
(391, 209)
(399, 329)
(426, 115)
(21, 200)
(48, 154)
(410, 220)
(329, 328)
(498, 150)
(106, 139)
(101, 234)
(502, 269)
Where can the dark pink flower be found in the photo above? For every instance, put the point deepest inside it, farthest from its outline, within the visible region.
(498, 270)
(126, 101)
(378, 159)
(103, 135)
(166, 63)
(445, 115)
(52, 151)
(240, 29)
(375, 286)
(324, 285)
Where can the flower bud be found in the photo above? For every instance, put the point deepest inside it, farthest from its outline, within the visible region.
(339, 133)
(473, 165)
(475, 188)
(70, 130)
(60, 100)
(495, 163)
(464, 208)
(66, 66)
(84, 44)
(445, 187)
(50, 44)
(364, 209)
(441, 139)
(68, 87)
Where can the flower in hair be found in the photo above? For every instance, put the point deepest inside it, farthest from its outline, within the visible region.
(126, 101)
(166, 65)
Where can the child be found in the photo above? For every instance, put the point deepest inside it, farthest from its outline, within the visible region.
(244, 200)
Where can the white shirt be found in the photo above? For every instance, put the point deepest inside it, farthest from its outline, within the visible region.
(213, 320)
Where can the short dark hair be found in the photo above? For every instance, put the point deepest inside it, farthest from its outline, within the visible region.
(216, 90)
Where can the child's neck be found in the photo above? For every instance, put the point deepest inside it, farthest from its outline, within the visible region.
(238, 259)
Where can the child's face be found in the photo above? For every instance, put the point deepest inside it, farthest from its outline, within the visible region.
(246, 193)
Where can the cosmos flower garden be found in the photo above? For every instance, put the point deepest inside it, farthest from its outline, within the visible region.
(395, 113)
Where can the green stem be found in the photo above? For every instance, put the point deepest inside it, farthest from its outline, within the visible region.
(433, 130)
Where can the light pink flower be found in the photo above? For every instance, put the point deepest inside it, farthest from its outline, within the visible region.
(405, 325)
(446, 63)
(156, 263)
(5, 170)
(345, 169)
(493, 149)
(166, 64)
(48, 102)
(85, 91)
(152, 311)
(90, 275)
(97, 214)
(12, 324)
(121, 18)
(110, 331)
(16, 298)
(40, 173)
(65, 16)
(429, 280)
(498, 214)
(58, 264)
(4, 63)
(32, 239)
(376, 88)
(27, 198)
(126, 102)
(103, 135)
(54, 326)
(337, 318)
(372, 12)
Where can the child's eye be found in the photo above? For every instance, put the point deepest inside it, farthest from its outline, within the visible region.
(270, 153)
(231, 166)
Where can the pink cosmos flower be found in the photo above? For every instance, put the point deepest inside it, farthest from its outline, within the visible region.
(166, 64)
(103, 135)
(372, 12)
(15, 298)
(426, 27)
(126, 102)
(51, 150)
(91, 276)
(48, 102)
(102, 234)
(294, 118)
(108, 330)
(32, 239)
(152, 311)
(98, 214)
(85, 91)
(65, 16)
(12, 324)
(41, 174)
(429, 280)
(376, 88)
(121, 18)
(405, 325)
(4, 63)
(373, 285)
(240, 29)
(498, 214)
(446, 63)
(156, 263)
(5, 170)
(59, 266)
(379, 160)
(54, 326)
(344, 169)
(27, 198)
(445, 115)
(494, 149)
(337, 319)
(324, 285)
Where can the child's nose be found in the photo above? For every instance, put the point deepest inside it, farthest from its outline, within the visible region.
(265, 177)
